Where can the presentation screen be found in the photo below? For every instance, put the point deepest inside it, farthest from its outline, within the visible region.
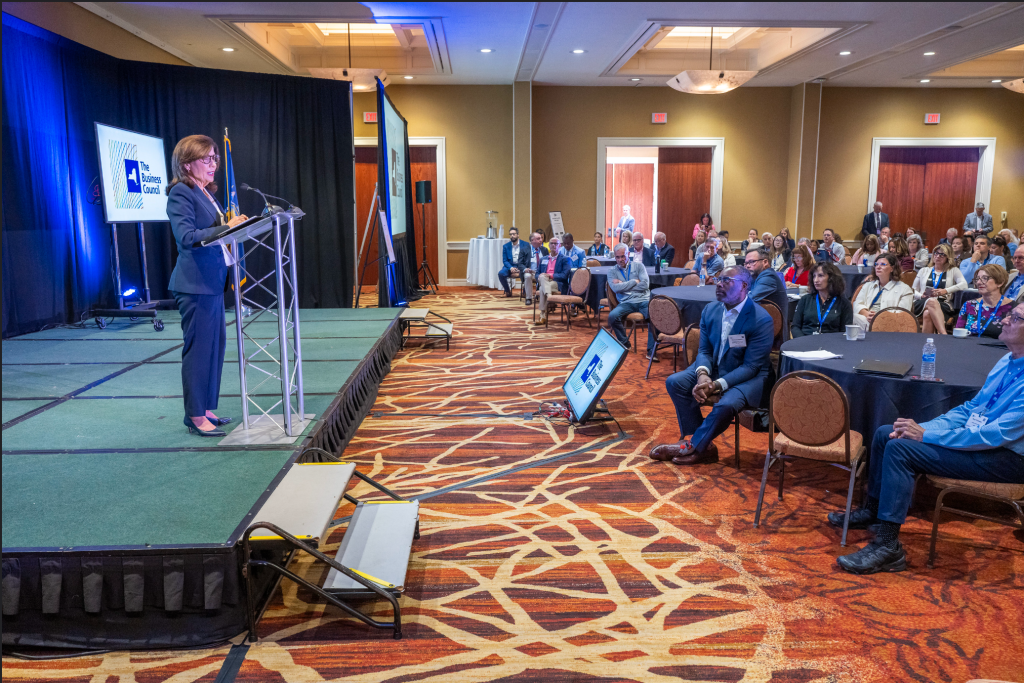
(394, 161)
(587, 381)
(133, 175)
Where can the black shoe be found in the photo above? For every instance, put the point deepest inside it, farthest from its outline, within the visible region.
(218, 421)
(508, 294)
(860, 518)
(874, 558)
(529, 302)
(192, 429)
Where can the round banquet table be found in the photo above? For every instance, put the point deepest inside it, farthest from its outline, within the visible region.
(853, 278)
(485, 262)
(604, 260)
(599, 277)
(963, 364)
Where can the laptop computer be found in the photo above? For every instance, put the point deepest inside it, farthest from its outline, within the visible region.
(883, 368)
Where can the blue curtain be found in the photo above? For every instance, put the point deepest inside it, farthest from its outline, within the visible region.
(291, 137)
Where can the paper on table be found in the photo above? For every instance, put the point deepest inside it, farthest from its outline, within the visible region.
(812, 355)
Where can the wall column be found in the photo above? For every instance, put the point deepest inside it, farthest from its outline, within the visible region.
(804, 135)
(522, 156)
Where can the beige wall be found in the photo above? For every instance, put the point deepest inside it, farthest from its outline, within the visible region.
(82, 26)
(753, 121)
(851, 117)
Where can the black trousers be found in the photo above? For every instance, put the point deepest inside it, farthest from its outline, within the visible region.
(202, 357)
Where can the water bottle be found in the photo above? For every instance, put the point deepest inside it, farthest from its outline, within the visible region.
(702, 271)
(657, 265)
(928, 360)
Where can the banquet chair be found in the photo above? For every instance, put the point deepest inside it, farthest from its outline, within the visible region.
(579, 283)
(894, 319)
(691, 347)
(593, 263)
(633, 320)
(811, 414)
(908, 278)
(691, 279)
(689, 264)
(856, 292)
(1011, 494)
(776, 314)
(667, 319)
(848, 260)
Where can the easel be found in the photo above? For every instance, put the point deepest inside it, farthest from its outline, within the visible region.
(372, 225)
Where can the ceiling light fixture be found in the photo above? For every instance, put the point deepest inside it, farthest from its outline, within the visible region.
(845, 53)
(578, 52)
(929, 54)
(228, 49)
(634, 79)
(408, 78)
(1016, 85)
(702, 82)
(925, 80)
(998, 80)
(486, 50)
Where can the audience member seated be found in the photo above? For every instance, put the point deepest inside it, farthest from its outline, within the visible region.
(883, 238)
(885, 291)
(981, 440)
(626, 237)
(570, 257)
(899, 248)
(546, 284)
(868, 252)
(1015, 284)
(725, 251)
(697, 247)
(789, 240)
(767, 285)
(948, 239)
(921, 255)
(1011, 243)
(980, 317)
(978, 221)
(632, 287)
(637, 252)
(515, 259)
(957, 244)
(933, 288)
(779, 254)
(709, 262)
(797, 274)
(660, 250)
(732, 364)
(749, 242)
(875, 221)
(538, 253)
(997, 247)
(598, 248)
(705, 225)
(980, 257)
(835, 252)
(825, 309)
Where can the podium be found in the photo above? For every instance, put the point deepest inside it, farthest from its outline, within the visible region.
(274, 232)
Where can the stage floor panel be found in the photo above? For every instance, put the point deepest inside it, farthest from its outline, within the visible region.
(316, 349)
(53, 381)
(14, 409)
(312, 329)
(26, 349)
(132, 499)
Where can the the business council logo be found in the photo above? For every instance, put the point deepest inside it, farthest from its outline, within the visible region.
(132, 177)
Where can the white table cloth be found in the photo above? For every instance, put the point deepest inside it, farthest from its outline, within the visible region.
(485, 262)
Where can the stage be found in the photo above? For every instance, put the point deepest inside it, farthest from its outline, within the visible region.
(120, 528)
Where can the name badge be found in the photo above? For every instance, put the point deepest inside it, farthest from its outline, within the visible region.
(976, 421)
(737, 341)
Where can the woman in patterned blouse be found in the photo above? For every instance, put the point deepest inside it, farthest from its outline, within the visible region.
(981, 317)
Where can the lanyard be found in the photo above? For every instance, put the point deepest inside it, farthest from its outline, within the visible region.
(981, 314)
(792, 278)
(821, 318)
(936, 280)
(1004, 384)
(877, 297)
(625, 274)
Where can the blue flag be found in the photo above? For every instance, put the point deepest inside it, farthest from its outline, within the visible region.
(229, 180)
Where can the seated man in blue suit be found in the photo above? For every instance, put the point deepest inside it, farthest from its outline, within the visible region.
(515, 259)
(660, 250)
(570, 257)
(732, 363)
(768, 286)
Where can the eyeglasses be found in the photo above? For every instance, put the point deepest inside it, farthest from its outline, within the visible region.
(212, 159)
(727, 280)
(1015, 319)
(981, 279)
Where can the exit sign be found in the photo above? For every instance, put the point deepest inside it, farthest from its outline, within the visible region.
(371, 117)
(932, 119)
(659, 118)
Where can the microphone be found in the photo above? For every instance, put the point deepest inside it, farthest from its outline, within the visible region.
(269, 207)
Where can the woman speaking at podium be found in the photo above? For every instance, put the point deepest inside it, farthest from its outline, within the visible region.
(198, 280)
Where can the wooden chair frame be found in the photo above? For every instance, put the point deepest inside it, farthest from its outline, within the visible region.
(564, 307)
(771, 458)
(663, 345)
(613, 301)
(967, 490)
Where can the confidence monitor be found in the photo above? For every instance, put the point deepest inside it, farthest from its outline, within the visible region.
(133, 175)
(593, 373)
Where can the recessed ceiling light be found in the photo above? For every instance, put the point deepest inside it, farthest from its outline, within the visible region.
(486, 49)
(228, 49)
(408, 78)
(634, 79)
(929, 54)
(845, 53)
(998, 80)
(925, 80)
(578, 52)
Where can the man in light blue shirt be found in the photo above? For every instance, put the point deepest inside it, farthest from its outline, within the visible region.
(981, 440)
(981, 257)
(632, 287)
(709, 260)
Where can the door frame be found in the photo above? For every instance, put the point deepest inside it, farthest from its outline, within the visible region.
(986, 161)
(440, 197)
(717, 146)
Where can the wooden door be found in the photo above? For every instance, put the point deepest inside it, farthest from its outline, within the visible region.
(366, 180)
(423, 161)
(684, 194)
(631, 184)
(929, 189)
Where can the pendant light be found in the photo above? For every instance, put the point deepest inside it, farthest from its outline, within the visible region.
(709, 81)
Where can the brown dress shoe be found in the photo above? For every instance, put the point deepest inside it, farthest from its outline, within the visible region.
(693, 457)
(667, 451)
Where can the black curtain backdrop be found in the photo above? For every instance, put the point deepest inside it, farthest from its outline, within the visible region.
(290, 136)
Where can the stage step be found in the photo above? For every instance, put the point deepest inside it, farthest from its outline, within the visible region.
(377, 544)
(414, 314)
(440, 330)
(305, 501)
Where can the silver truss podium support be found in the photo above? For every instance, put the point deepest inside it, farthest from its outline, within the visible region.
(256, 353)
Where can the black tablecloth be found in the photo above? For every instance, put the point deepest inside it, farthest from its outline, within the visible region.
(853, 278)
(963, 364)
(691, 300)
(599, 276)
(605, 260)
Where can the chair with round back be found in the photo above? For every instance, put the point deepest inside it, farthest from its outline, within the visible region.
(1010, 494)
(809, 418)
(579, 283)
(691, 343)
(691, 279)
(689, 264)
(894, 319)
(593, 263)
(667, 319)
(776, 315)
(633, 320)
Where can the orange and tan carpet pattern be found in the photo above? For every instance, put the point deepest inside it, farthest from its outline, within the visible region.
(604, 565)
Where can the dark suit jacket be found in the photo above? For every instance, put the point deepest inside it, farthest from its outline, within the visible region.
(199, 270)
(769, 286)
(626, 224)
(524, 256)
(869, 223)
(743, 369)
(667, 254)
(533, 263)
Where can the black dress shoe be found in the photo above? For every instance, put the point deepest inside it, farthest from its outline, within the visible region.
(218, 421)
(874, 558)
(192, 429)
(860, 518)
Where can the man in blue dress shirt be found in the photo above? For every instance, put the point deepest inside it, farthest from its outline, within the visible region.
(981, 257)
(981, 440)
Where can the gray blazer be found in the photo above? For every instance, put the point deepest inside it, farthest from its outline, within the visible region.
(199, 270)
(986, 222)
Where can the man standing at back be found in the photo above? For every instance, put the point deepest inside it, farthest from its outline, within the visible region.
(626, 222)
(978, 221)
(875, 221)
(768, 286)
(515, 259)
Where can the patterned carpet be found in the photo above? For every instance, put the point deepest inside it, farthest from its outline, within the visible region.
(603, 565)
